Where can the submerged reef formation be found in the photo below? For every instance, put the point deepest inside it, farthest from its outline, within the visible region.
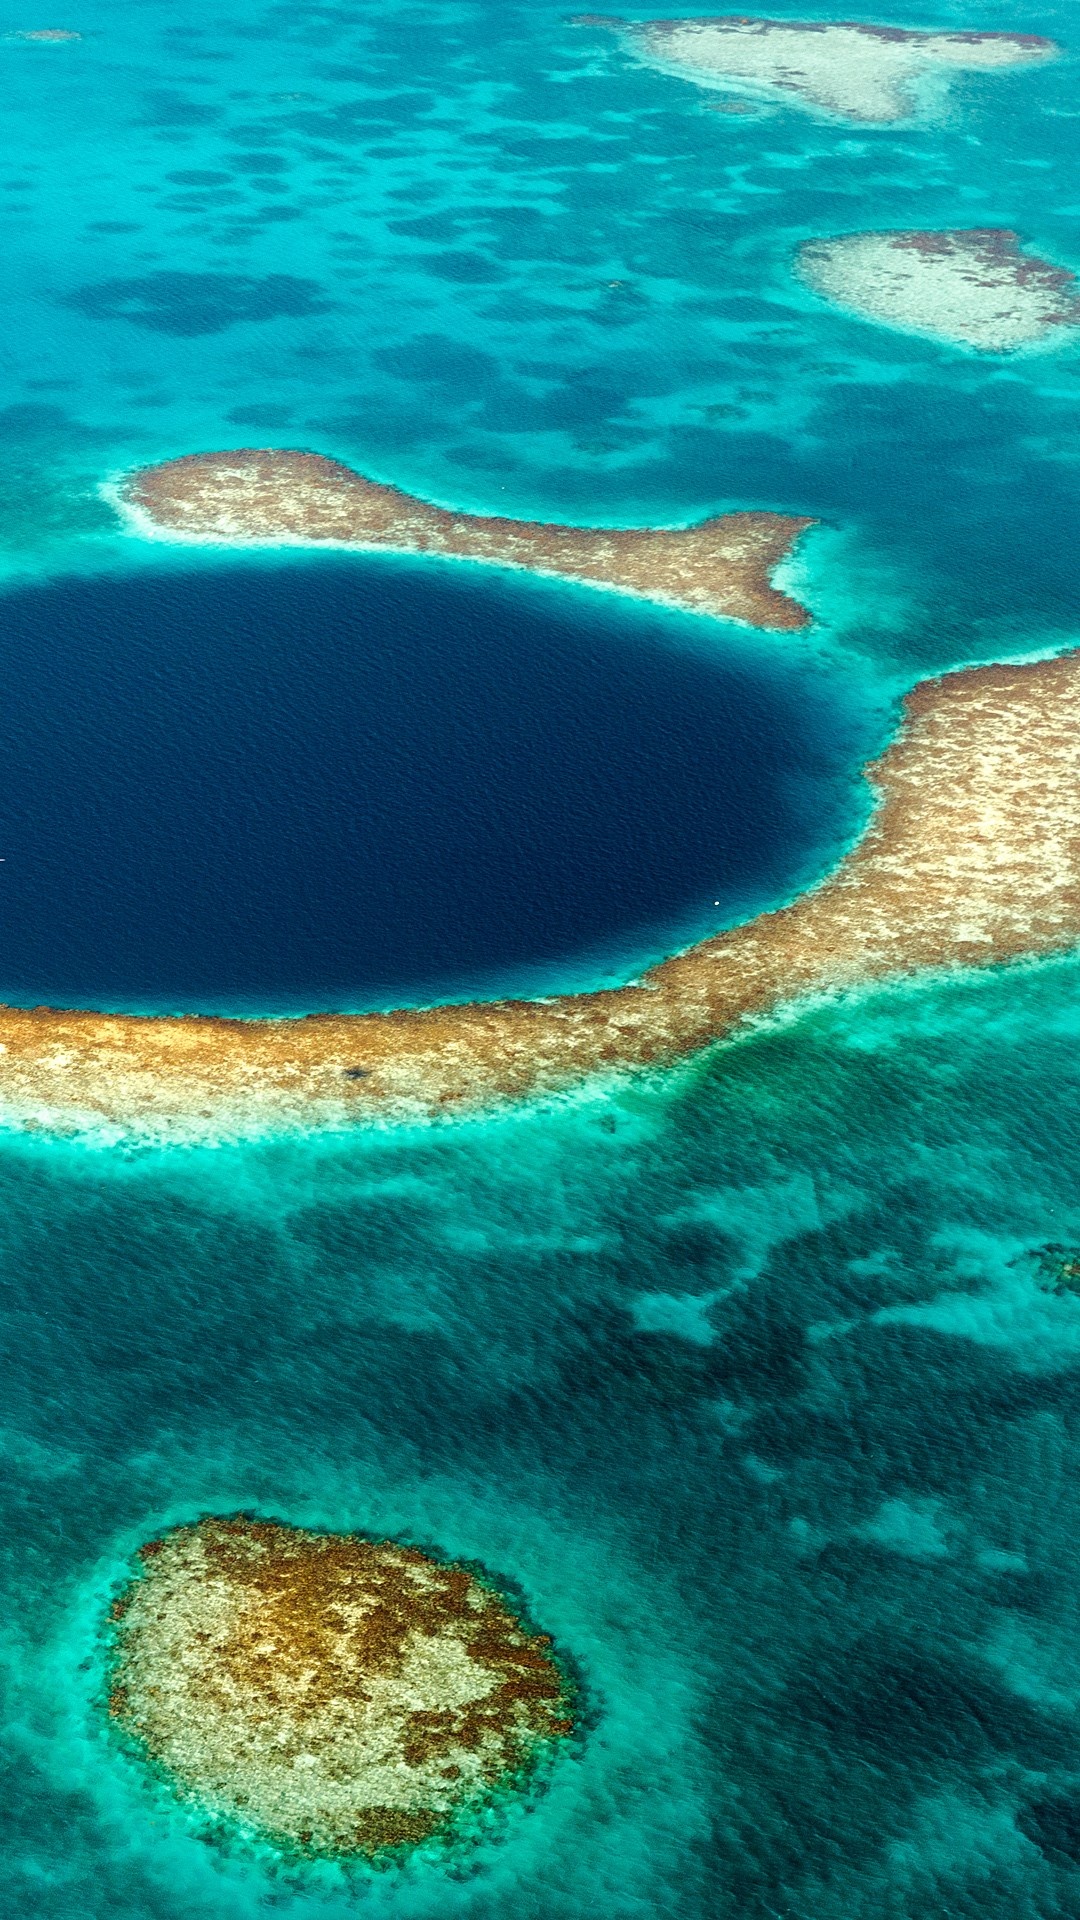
(337, 1694)
(843, 68)
(277, 497)
(972, 858)
(974, 286)
(46, 33)
(1057, 1268)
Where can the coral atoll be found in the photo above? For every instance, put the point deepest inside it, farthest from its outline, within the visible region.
(335, 1694)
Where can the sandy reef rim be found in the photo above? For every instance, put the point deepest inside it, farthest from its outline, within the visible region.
(971, 859)
(281, 497)
(974, 287)
(137, 524)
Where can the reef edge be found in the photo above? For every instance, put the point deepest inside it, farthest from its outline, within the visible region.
(280, 497)
(971, 859)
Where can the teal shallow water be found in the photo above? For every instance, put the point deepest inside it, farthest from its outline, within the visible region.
(748, 1381)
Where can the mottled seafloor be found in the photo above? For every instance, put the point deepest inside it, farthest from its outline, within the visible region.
(745, 1379)
(746, 1376)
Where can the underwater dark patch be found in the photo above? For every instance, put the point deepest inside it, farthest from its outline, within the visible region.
(922, 1705)
(170, 108)
(188, 304)
(1053, 1824)
(467, 269)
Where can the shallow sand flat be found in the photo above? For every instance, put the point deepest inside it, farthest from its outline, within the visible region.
(973, 286)
(277, 497)
(344, 1695)
(971, 859)
(855, 71)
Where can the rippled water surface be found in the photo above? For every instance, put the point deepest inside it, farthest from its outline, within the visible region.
(749, 1378)
(749, 1382)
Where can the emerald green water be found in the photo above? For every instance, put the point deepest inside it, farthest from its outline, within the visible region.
(746, 1379)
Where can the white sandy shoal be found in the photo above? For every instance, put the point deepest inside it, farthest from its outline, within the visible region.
(967, 292)
(846, 70)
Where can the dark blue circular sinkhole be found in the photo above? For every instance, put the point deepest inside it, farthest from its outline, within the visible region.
(261, 786)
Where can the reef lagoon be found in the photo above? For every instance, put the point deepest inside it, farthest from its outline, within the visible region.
(746, 1385)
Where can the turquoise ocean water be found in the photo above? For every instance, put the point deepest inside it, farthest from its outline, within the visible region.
(746, 1377)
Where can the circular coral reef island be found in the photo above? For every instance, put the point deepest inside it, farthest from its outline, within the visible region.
(340, 1695)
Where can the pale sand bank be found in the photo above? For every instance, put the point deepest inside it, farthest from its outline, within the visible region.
(853, 71)
(278, 497)
(971, 859)
(975, 287)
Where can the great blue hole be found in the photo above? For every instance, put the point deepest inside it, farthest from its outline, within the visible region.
(258, 787)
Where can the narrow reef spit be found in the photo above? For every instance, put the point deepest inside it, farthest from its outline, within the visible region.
(843, 68)
(971, 859)
(276, 497)
(338, 1695)
(974, 287)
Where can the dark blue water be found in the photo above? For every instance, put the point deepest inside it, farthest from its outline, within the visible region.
(310, 785)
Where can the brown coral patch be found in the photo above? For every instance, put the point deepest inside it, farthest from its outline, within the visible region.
(343, 1695)
(722, 566)
(996, 251)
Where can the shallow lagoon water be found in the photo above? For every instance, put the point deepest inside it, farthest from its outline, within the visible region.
(746, 1377)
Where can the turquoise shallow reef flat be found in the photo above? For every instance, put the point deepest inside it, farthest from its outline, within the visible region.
(482, 253)
(752, 1385)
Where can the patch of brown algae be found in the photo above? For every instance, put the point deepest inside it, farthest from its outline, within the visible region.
(272, 496)
(340, 1695)
(971, 859)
